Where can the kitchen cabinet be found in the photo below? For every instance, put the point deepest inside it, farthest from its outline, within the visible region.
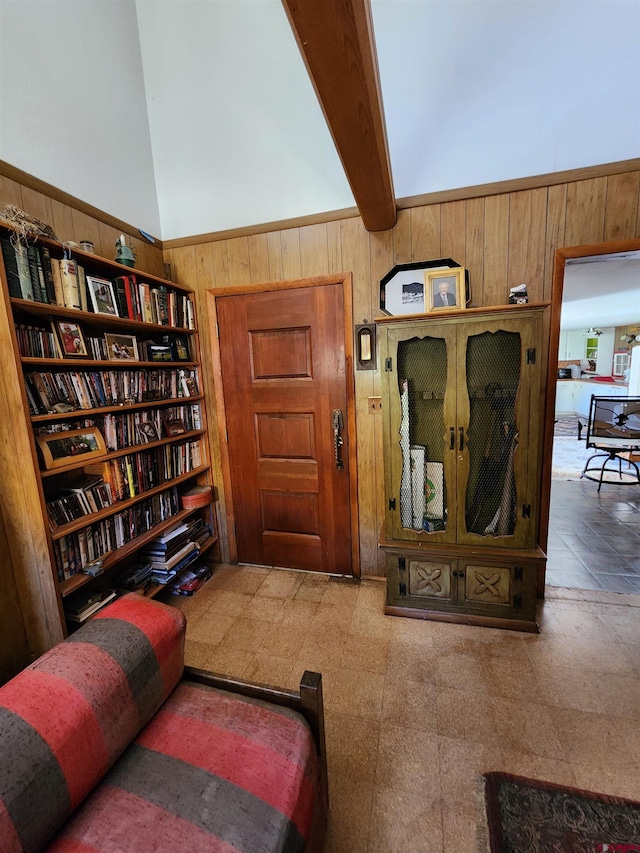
(462, 441)
(564, 397)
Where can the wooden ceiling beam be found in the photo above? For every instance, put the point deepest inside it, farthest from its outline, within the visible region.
(337, 44)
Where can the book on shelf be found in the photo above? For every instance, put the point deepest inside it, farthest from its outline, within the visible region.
(120, 295)
(78, 608)
(37, 276)
(11, 268)
(45, 257)
(82, 289)
(189, 580)
(70, 289)
(57, 281)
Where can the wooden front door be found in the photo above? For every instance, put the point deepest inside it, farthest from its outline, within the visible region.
(284, 380)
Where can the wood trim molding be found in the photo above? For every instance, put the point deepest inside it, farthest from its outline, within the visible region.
(27, 180)
(337, 44)
(519, 184)
(499, 188)
(561, 255)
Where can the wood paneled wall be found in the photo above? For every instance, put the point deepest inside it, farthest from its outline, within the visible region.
(504, 239)
(72, 221)
(29, 612)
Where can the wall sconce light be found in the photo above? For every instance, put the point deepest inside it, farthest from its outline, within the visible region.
(366, 355)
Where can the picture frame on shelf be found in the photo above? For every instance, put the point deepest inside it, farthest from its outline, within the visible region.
(174, 426)
(444, 289)
(102, 296)
(70, 339)
(403, 289)
(147, 432)
(59, 449)
(121, 347)
(181, 347)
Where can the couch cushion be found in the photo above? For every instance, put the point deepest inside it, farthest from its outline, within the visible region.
(66, 719)
(212, 771)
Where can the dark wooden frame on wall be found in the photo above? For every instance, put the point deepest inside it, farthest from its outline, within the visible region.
(345, 279)
(562, 255)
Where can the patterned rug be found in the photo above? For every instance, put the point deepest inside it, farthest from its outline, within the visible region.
(568, 426)
(569, 457)
(526, 816)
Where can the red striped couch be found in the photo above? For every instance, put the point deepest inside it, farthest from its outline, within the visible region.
(108, 744)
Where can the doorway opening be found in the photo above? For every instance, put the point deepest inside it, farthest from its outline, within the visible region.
(594, 536)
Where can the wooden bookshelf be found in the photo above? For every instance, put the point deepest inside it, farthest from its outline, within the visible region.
(78, 385)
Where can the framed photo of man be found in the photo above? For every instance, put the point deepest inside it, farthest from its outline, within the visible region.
(445, 289)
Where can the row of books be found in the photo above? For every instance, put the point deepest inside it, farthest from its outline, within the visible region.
(34, 274)
(76, 551)
(191, 579)
(135, 473)
(168, 558)
(130, 428)
(62, 340)
(94, 389)
(83, 604)
(77, 497)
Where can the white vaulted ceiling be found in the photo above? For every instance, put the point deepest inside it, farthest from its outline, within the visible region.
(208, 102)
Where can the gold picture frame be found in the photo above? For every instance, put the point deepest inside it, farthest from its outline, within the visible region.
(59, 449)
(70, 339)
(442, 287)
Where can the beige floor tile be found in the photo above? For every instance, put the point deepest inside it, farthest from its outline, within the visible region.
(462, 671)
(411, 704)
(341, 593)
(358, 694)
(322, 651)
(600, 654)
(197, 654)
(331, 617)
(558, 771)
(359, 653)
(230, 603)
(526, 727)
(270, 669)
(408, 760)
(264, 609)
(298, 613)
(284, 641)
(280, 584)
(349, 814)
(209, 627)
(246, 634)
(405, 822)
(230, 662)
(412, 661)
(460, 830)
(352, 747)
(506, 678)
(312, 588)
(461, 762)
(464, 716)
(596, 692)
(368, 623)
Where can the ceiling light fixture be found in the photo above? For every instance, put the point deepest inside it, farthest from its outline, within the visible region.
(596, 332)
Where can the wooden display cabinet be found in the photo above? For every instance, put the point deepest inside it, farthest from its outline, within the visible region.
(462, 445)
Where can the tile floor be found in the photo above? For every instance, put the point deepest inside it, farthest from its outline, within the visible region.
(416, 710)
(594, 538)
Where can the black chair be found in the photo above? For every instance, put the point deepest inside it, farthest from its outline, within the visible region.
(613, 430)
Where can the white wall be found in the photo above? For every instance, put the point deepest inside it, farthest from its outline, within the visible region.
(238, 135)
(477, 91)
(72, 103)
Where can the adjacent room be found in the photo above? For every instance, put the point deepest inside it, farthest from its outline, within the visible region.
(306, 311)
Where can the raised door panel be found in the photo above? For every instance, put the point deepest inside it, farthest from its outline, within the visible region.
(431, 580)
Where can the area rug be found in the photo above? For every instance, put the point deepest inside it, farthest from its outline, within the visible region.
(568, 426)
(527, 816)
(569, 457)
